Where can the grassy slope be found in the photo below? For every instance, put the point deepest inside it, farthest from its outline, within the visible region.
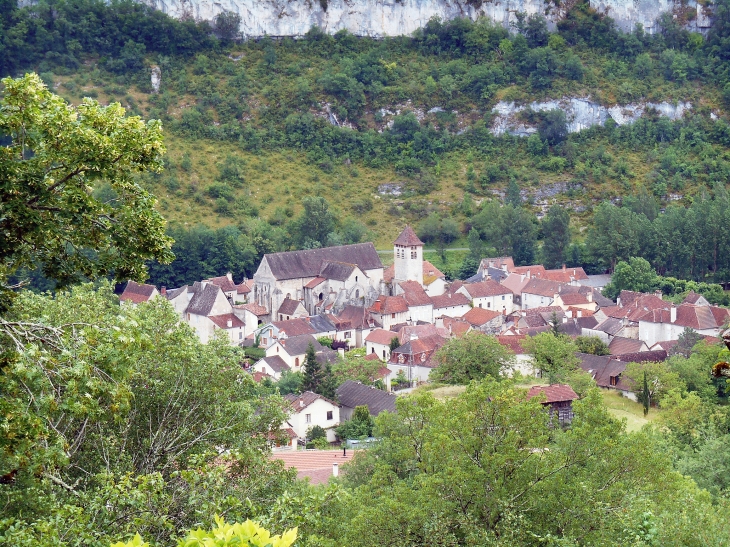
(281, 179)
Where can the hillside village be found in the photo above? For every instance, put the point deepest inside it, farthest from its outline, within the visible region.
(401, 315)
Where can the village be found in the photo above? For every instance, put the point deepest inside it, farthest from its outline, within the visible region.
(403, 314)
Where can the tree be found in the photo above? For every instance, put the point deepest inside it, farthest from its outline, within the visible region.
(686, 341)
(394, 343)
(471, 357)
(553, 355)
(354, 366)
(48, 216)
(105, 405)
(227, 25)
(316, 221)
(512, 196)
(592, 345)
(645, 400)
(553, 126)
(660, 380)
(476, 245)
(556, 237)
(359, 426)
(475, 464)
(635, 275)
(313, 373)
(290, 382)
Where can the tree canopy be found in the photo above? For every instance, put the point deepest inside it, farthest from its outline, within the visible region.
(49, 216)
(471, 357)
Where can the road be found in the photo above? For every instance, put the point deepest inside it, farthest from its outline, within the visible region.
(430, 250)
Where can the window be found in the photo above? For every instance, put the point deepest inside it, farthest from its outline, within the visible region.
(355, 279)
(296, 361)
(264, 341)
(240, 335)
(357, 293)
(308, 418)
(489, 304)
(502, 297)
(414, 254)
(480, 305)
(277, 349)
(392, 316)
(329, 414)
(348, 334)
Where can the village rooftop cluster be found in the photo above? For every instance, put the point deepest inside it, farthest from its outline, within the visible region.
(345, 294)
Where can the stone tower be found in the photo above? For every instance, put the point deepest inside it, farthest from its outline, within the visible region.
(408, 250)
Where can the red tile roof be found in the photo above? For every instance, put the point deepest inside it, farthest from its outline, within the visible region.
(480, 316)
(314, 282)
(316, 465)
(542, 287)
(223, 319)
(565, 275)
(390, 304)
(486, 288)
(254, 309)
(620, 345)
(224, 282)
(137, 292)
(288, 306)
(408, 238)
(573, 299)
(429, 270)
(414, 294)
(456, 327)
(554, 393)
(381, 336)
(513, 342)
(242, 288)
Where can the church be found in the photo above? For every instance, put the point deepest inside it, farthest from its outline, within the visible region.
(328, 279)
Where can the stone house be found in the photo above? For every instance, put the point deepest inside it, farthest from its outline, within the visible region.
(420, 306)
(273, 366)
(291, 309)
(378, 343)
(486, 321)
(539, 293)
(489, 295)
(233, 326)
(252, 315)
(415, 358)
(389, 311)
(450, 304)
(310, 409)
(294, 349)
(206, 300)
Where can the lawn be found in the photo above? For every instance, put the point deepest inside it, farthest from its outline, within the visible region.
(621, 407)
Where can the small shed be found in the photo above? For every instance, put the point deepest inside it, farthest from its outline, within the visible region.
(558, 398)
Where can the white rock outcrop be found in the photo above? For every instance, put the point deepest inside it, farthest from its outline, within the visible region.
(580, 113)
(378, 18)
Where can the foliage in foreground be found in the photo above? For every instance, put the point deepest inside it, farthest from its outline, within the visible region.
(246, 534)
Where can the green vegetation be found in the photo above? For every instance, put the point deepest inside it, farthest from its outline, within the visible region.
(253, 146)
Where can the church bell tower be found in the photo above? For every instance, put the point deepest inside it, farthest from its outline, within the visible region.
(408, 251)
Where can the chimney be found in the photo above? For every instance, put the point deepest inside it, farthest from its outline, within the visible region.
(658, 293)
(301, 403)
(335, 469)
(229, 275)
(163, 290)
(229, 323)
(672, 314)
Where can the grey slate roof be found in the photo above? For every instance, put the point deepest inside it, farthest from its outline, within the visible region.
(320, 323)
(203, 299)
(339, 271)
(297, 345)
(610, 326)
(276, 363)
(352, 394)
(308, 262)
(288, 306)
(174, 293)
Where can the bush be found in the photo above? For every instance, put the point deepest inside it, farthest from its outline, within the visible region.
(316, 432)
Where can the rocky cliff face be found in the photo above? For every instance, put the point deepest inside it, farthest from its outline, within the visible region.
(378, 18)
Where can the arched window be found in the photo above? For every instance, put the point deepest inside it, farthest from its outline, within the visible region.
(357, 293)
(321, 296)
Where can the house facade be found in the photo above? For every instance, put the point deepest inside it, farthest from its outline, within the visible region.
(310, 409)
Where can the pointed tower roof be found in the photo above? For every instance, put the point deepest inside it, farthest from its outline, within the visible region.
(408, 238)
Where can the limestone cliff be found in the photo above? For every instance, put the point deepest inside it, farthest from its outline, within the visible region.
(377, 18)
